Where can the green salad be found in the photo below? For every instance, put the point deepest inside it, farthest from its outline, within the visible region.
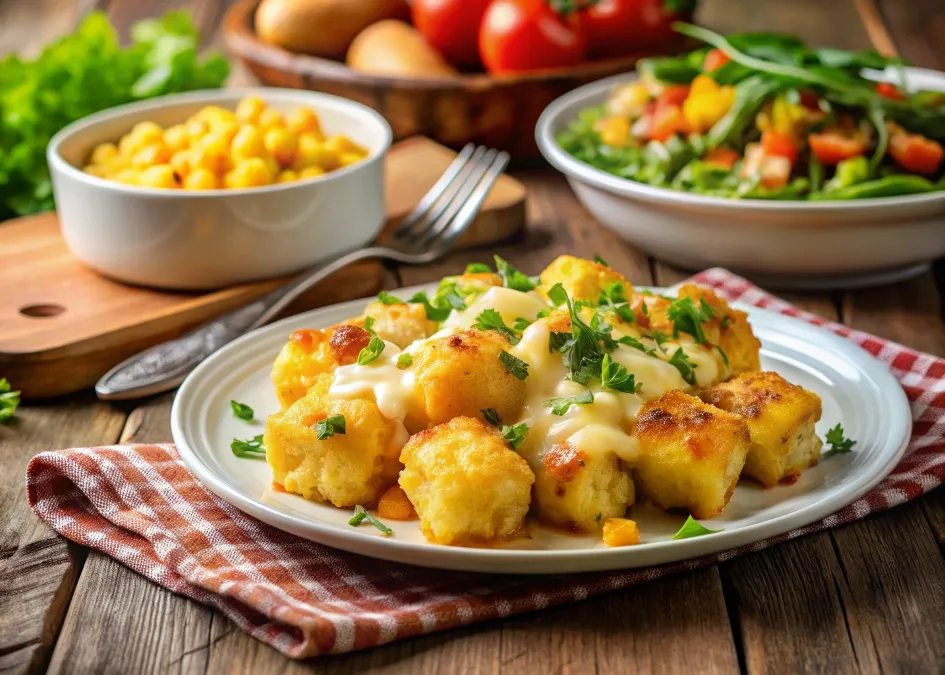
(762, 116)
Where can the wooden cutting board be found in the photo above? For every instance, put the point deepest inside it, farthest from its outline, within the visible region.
(62, 326)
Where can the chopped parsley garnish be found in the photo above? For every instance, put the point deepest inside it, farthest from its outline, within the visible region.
(434, 313)
(9, 401)
(490, 319)
(726, 320)
(583, 357)
(688, 318)
(514, 365)
(492, 416)
(839, 444)
(723, 355)
(241, 410)
(636, 344)
(559, 342)
(614, 299)
(515, 435)
(685, 367)
(659, 337)
(521, 323)
(600, 261)
(361, 514)
(251, 449)
(559, 406)
(512, 278)
(330, 426)
(478, 268)
(615, 376)
(558, 295)
(386, 298)
(369, 324)
(370, 353)
(404, 361)
(692, 529)
(644, 309)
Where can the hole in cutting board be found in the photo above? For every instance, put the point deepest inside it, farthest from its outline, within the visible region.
(42, 311)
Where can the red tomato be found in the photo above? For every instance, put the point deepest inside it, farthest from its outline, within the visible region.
(668, 120)
(915, 153)
(832, 148)
(782, 145)
(618, 27)
(889, 90)
(722, 157)
(673, 94)
(451, 26)
(809, 99)
(714, 60)
(518, 35)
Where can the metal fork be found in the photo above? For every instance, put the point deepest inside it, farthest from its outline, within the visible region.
(431, 229)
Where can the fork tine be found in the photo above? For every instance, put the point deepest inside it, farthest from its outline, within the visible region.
(435, 226)
(440, 189)
(470, 208)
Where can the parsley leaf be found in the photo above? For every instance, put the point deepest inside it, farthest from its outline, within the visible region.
(361, 514)
(9, 401)
(478, 268)
(514, 365)
(839, 444)
(369, 324)
(559, 342)
(613, 298)
(693, 529)
(726, 320)
(584, 356)
(404, 361)
(558, 295)
(330, 426)
(515, 435)
(615, 376)
(636, 344)
(492, 416)
(512, 278)
(659, 337)
(490, 319)
(723, 355)
(521, 323)
(251, 449)
(559, 406)
(241, 410)
(685, 367)
(688, 318)
(370, 353)
(600, 261)
(434, 313)
(386, 298)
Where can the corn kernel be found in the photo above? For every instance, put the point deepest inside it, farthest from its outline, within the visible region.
(339, 144)
(201, 179)
(615, 131)
(349, 158)
(181, 163)
(151, 155)
(249, 109)
(176, 138)
(214, 114)
(161, 176)
(621, 532)
(196, 128)
(147, 133)
(104, 153)
(127, 176)
(287, 176)
(97, 170)
(282, 145)
(248, 142)
(311, 172)
(303, 119)
(251, 172)
(312, 152)
(270, 119)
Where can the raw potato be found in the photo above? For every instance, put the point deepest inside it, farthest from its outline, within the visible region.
(321, 27)
(395, 48)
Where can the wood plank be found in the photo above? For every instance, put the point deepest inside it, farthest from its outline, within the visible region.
(916, 27)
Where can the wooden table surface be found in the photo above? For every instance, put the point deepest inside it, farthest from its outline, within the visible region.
(869, 596)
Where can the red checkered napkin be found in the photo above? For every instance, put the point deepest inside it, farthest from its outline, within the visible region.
(138, 504)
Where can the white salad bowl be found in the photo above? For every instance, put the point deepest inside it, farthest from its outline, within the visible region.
(208, 239)
(797, 243)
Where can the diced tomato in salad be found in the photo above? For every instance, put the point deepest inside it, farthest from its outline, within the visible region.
(673, 94)
(832, 147)
(915, 153)
(667, 121)
(890, 91)
(714, 60)
(780, 145)
(722, 157)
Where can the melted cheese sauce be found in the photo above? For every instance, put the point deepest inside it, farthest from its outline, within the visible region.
(381, 380)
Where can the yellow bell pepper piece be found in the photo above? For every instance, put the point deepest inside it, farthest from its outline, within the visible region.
(707, 103)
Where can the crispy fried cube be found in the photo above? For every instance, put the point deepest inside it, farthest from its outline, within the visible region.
(345, 469)
(621, 532)
(468, 486)
(310, 353)
(461, 374)
(691, 454)
(577, 490)
(400, 323)
(781, 418)
(582, 279)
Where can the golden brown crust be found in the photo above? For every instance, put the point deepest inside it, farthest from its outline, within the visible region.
(346, 343)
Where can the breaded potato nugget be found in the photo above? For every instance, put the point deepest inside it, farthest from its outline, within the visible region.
(781, 418)
(582, 279)
(310, 353)
(578, 491)
(400, 323)
(467, 485)
(691, 454)
(461, 374)
(344, 469)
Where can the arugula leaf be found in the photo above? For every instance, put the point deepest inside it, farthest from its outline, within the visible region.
(370, 353)
(387, 299)
(404, 361)
(9, 401)
(241, 410)
(691, 528)
(514, 435)
(478, 268)
(251, 449)
(600, 261)
(512, 278)
(685, 367)
(559, 406)
(688, 318)
(490, 319)
(514, 365)
(434, 313)
(330, 426)
(839, 444)
(361, 514)
(615, 376)
(492, 416)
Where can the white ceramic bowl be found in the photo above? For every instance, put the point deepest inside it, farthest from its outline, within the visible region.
(199, 240)
(827, 243)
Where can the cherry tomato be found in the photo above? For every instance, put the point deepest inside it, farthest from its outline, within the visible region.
(833, 147)
(890, 91)
(618, 27)
(782, 145)
(667, 121)
(915, 153)
(451, 26)
(673, 94)
(714, 60)
(809, 99)
(722, 157)
(519, 35)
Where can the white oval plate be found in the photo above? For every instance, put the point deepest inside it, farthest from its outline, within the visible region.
(856, 389)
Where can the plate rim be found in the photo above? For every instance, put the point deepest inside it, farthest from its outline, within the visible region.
(528, 561)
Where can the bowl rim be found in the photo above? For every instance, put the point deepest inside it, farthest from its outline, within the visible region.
(572, 167)
(58, 163)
